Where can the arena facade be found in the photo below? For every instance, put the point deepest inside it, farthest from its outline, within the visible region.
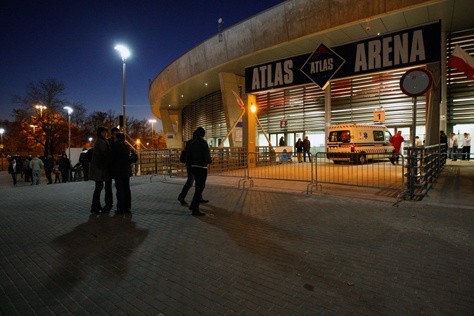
(307, 64)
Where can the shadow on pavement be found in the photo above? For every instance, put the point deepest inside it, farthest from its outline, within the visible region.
(95, 250)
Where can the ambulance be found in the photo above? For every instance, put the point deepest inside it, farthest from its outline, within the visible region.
(358, 143)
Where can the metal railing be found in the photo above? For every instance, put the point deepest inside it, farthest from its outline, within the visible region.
(413, 176)
(423, 168)
(378, 172)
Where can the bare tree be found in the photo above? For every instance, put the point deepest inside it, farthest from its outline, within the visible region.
(41, 113)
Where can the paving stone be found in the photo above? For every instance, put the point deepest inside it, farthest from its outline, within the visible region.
(257, 252)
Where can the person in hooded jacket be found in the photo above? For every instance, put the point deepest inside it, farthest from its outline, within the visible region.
(198, 156)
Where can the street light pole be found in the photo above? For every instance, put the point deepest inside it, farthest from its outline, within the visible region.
(152, 121)
(2, 130)
(124, 53)
(41, 108)
(69, 111)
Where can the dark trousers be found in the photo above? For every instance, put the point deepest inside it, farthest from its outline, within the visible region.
(124, 196)
(466, 152)
(200, 176)
(99, 185)
(48, 176)
(306, 152)
(65, 175)
(14, 178)
(109, 200)
(188, 184)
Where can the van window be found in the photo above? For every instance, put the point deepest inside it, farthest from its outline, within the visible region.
(388, 135)
(340, 136)
(379, 136)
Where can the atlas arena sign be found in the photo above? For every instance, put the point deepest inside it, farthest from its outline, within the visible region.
(411, 47)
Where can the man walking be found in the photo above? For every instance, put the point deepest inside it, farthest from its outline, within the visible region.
(198, 156)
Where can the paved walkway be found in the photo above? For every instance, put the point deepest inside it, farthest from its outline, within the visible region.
(258, 251)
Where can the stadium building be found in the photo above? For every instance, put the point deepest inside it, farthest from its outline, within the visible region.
(307, 64)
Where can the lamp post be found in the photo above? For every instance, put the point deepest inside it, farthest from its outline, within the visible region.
(124, 53)
(34, 127)
(41, 108)
(69, 111)
(152, 121)
(2, 130)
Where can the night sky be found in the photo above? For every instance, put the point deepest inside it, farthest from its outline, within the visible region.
(73, 41)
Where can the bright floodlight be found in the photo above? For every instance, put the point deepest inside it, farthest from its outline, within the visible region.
(2, 130)
(152, 121)
(123, 50)
(68, 109)
(253, 108)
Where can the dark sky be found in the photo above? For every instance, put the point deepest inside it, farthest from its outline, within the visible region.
(73, 41)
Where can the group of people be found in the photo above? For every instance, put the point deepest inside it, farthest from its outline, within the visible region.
(302, 149)
(111, 159)
(30, 168)
(454, 149)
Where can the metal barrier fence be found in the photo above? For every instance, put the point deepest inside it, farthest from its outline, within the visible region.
(378, 172)
(413, 175)
(424, 166)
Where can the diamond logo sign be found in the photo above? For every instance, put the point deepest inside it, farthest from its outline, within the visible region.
(322, 65)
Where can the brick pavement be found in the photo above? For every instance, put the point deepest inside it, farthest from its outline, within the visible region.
(257, 252)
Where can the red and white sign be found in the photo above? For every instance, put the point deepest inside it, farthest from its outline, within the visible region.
(462, 61)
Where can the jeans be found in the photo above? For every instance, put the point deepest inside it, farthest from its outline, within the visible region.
(36, 177)
(200, 176)
(109, 200)
(188, 184)
(124, 195)
(99, 185)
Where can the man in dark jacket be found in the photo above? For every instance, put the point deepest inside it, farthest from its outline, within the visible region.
(198, 156)
(65, 167)
(48, 168)
(120, 171)
(85, 160)
(109, 200)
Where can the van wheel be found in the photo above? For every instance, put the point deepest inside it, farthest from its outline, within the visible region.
(361, 159)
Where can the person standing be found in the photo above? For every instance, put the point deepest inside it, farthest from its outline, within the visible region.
(443, 140)
(453, 143)
(466, 147)
(27, 169)
(299, 149)
(396, 141)
(198, 156)
(84, 160)
(109, 199)
(13, 169)
(48, 168)
(306, 149)
(282, 141)
(99, 168)
(65, 167)
(36, 166)
(120, 170)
